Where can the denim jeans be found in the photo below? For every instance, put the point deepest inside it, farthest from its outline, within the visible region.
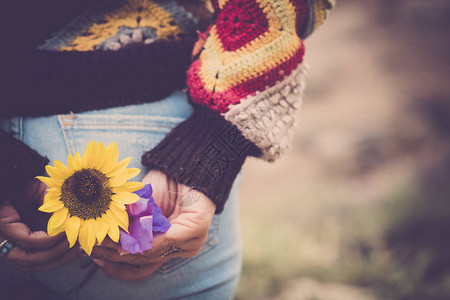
(212, 274)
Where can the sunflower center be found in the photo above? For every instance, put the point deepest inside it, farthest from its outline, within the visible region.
(86, 185)
(86, 194)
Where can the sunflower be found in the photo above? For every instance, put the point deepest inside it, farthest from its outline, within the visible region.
(88, 197)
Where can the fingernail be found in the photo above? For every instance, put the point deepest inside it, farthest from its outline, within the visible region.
(99, 262)
(122, 252)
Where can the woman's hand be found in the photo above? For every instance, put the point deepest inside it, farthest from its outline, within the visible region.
(33, 251)
(190, 214)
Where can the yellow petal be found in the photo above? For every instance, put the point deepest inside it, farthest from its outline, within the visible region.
(123, 173)
(101, 148)
(119, 167)
(119, 216)
(51, 206)
(125, 198)
(54, 190)
(50, 182)
(112, 156)
(119, 179)
(70, 162)
(58, 218)
(131, 186)
(113, 230)
(132, 172)
(52, 196)
(102, 230)
(54, 173)
(101, 155)
(62, 169)
(118, 205)
(72, 228)
(87, 235)
(95, 155)
(74, 162)
(91, 233)
(52, 231)
(87, 155)
(83, 236)
(114, 233)
(107, 220)
(111, 145)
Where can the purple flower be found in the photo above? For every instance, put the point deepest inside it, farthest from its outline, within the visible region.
(145, 218)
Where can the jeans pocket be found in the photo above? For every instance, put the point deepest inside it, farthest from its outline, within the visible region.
(211, 241)
(134, 134)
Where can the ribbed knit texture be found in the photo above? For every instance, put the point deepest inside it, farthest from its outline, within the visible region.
(18, 165)
(205, 152)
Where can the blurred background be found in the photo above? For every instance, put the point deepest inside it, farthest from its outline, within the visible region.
(359, 208)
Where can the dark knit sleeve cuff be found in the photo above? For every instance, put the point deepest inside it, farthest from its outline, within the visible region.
(18, 164)
(205, 152)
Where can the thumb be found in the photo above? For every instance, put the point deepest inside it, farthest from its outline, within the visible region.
(19, 233)
(164, 190)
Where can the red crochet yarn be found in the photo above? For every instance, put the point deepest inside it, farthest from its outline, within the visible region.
(240, 22)
(221, 101)
(230, 68)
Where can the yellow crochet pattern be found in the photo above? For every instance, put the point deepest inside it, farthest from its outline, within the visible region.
(133, 14)
(267, 51)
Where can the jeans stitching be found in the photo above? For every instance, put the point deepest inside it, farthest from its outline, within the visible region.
(66, 131)
(124, 122)
(16, 128)
(20, 128)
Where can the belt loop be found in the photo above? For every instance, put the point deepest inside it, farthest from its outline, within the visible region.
(16, 127)
(20, 128)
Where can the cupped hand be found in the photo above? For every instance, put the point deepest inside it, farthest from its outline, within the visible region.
(34, 250)
(190, 213)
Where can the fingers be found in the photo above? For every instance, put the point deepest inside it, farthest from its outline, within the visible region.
(164, 190)
(59, 261)
(30, 258)
(113, 255)
(181, 234)
(112, 252)
(33, 251)
(107, 242)
(190, 224)
(20, 234)
(125, 271)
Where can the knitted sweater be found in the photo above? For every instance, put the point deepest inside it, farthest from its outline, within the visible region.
(245, 78)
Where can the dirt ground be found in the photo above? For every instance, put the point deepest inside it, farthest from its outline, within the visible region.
(375, 119)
